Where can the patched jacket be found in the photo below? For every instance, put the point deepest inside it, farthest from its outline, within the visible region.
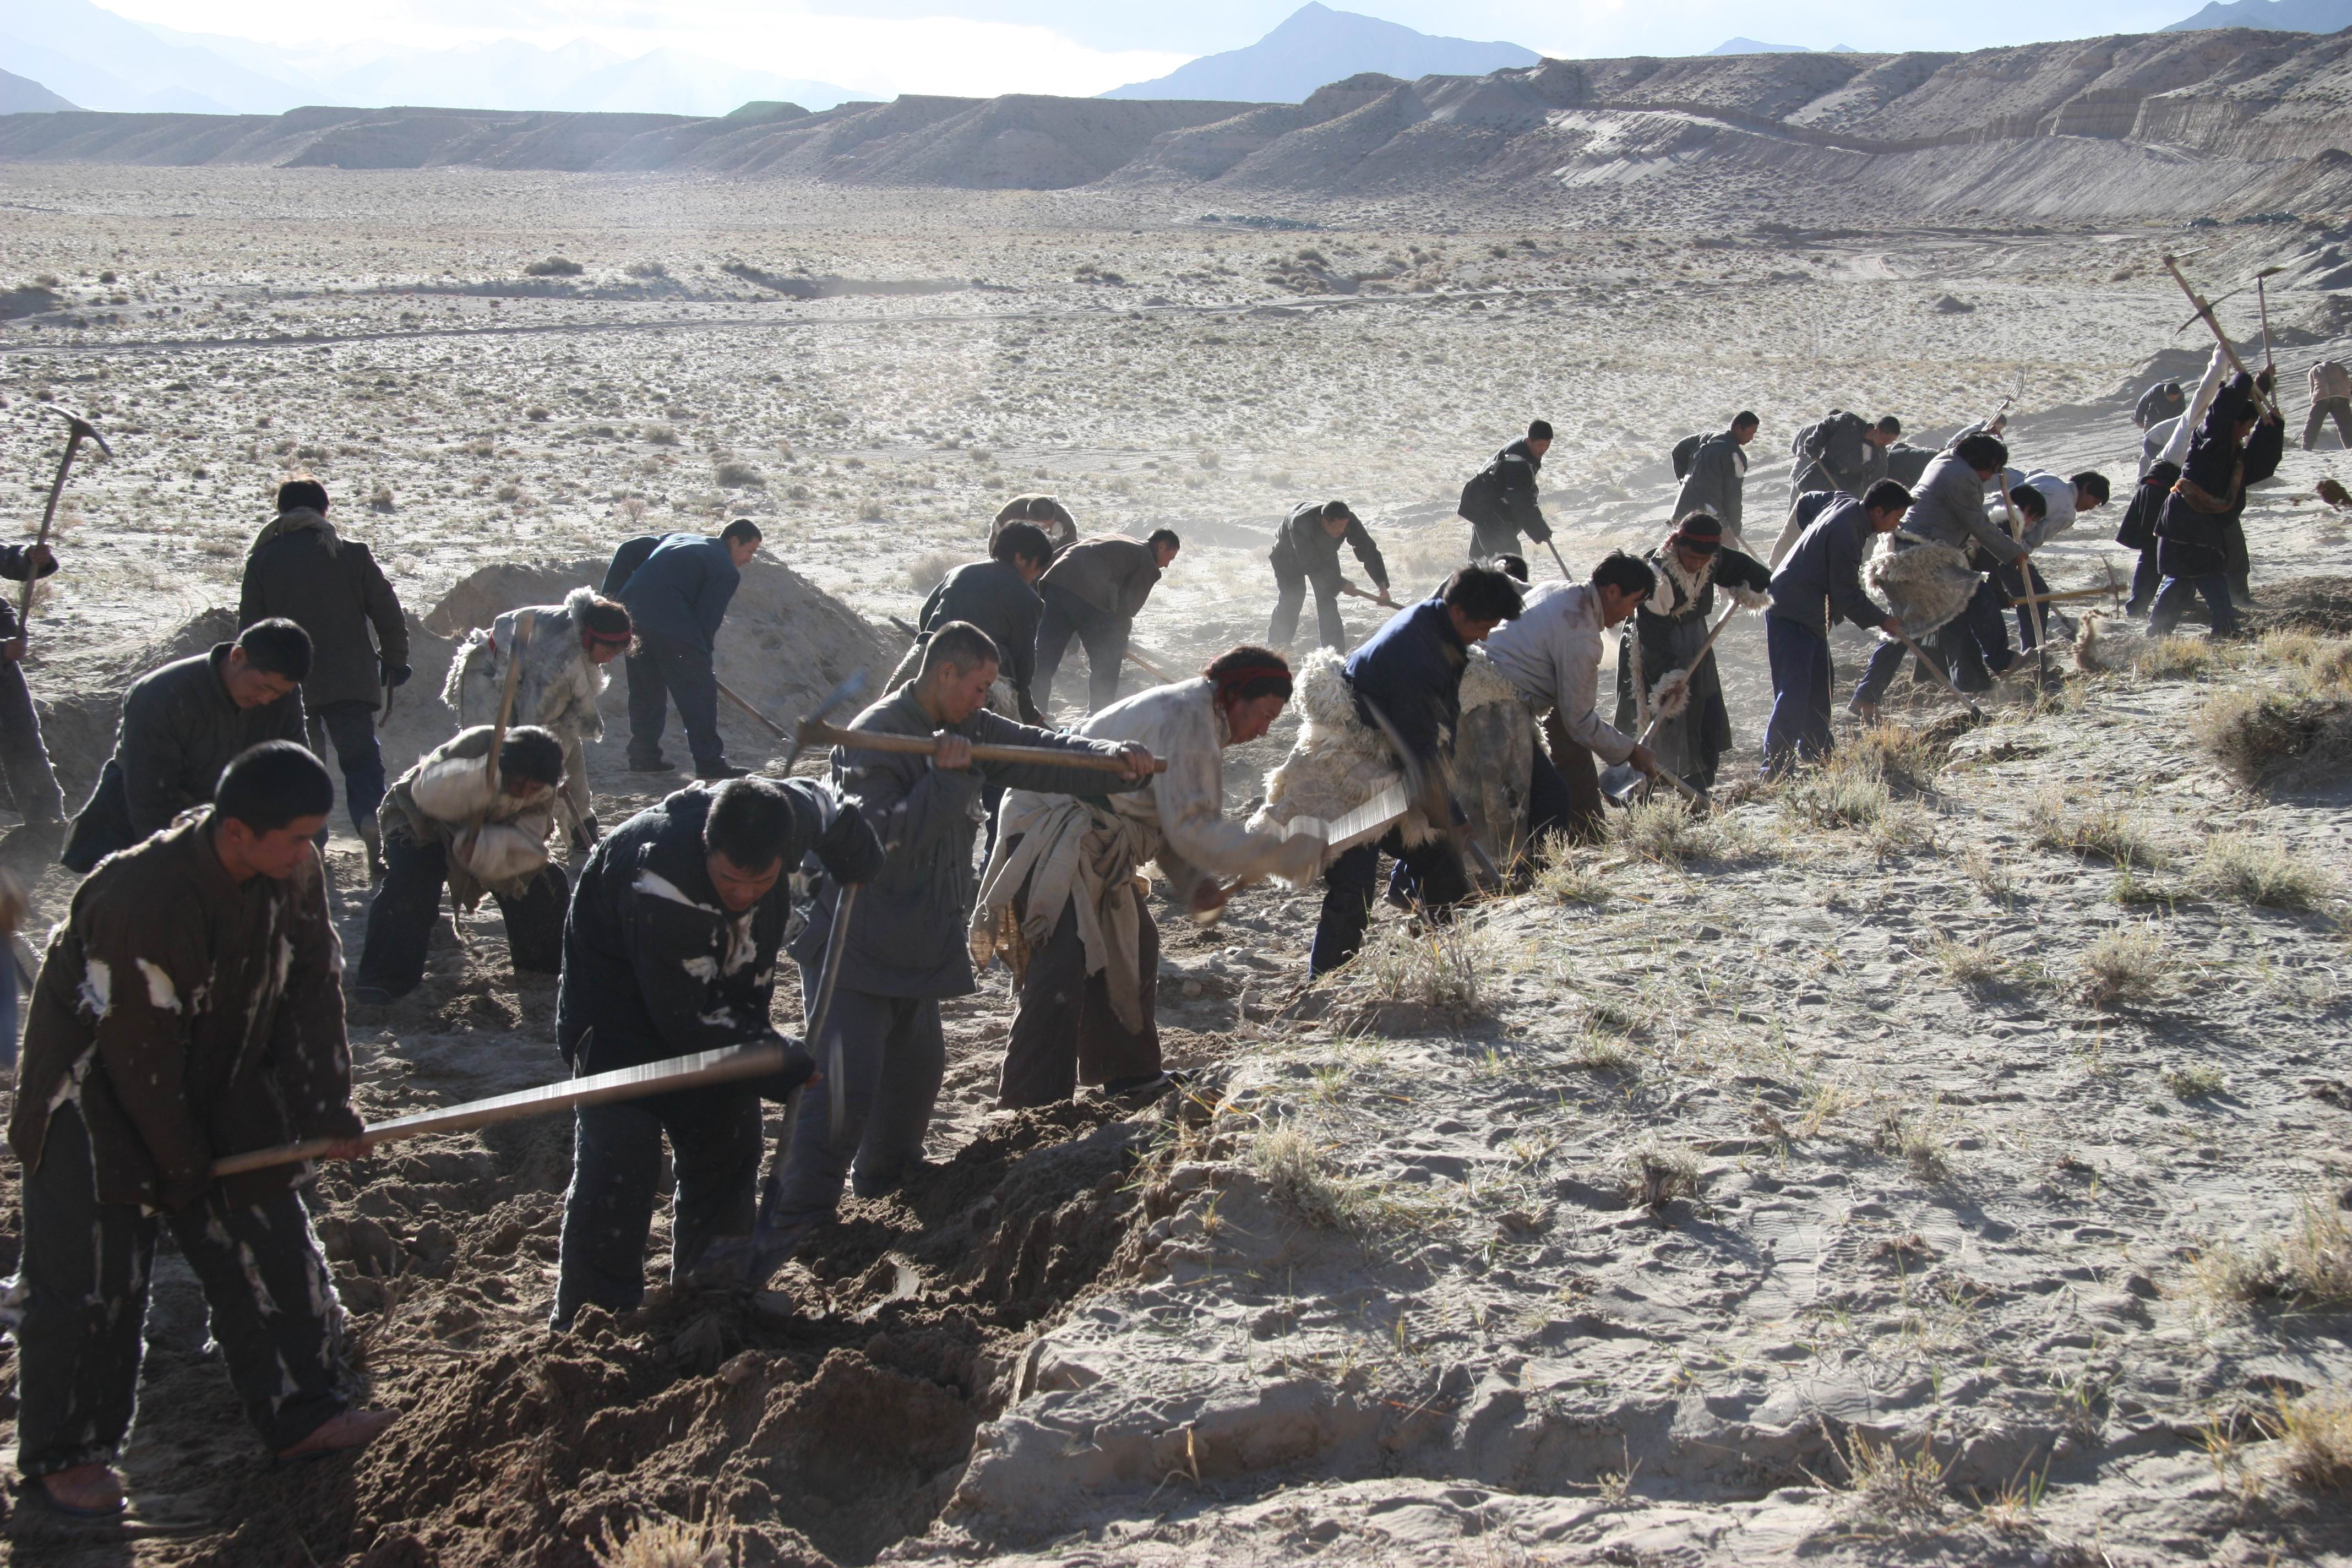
(191, 1017)
(654, 964)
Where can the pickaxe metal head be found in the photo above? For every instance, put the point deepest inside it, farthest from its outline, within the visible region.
(81, 428)
(849, 691)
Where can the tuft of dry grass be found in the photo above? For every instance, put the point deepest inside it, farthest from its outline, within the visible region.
(1434, 966)
(2315, 666)
(1289, 1160)
(1884, 1488)
(2194, 1081)
(1663, 828)
(662, 1542)
(1564, 881)
(2316, 1431)
(2252, 869)
(1907, 758)
(1915, 1138)
(2310, 1267)
(1660, 1172)
(2126, 964)
(2105, 832)
(1837, 797)
(1967, 962)
(2269, 739)
(2176, 658)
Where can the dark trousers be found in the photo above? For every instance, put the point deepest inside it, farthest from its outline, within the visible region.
(2340, 409)
(351, 725)
(2148, 576)
(892, 1059)
(1428, 876)
(608, 1211)
(1799, 729)
(81, 1290)
(1551, 804)
(1488, 540)
(1290, 585)
(1103, 634)
(661, 672)
(2174, 598)
(32, 783)
(1064, 1030)
(1587, 815)
(400, 920)
(2012, 579)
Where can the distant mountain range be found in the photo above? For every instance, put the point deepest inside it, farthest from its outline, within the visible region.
(99, 60)
(1750, 47)
(18, 95)
(2275, 15)
(1316, 46)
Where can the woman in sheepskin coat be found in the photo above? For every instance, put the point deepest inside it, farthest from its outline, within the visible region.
(1662, 636)
(562, 677)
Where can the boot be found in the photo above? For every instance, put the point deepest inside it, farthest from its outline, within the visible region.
(373, 837)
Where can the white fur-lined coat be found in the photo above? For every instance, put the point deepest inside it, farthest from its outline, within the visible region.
(558, 689)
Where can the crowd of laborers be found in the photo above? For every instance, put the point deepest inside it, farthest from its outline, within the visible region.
(192, 1005)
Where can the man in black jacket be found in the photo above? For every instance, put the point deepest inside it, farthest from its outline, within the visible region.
(1307, 552)
(670, 949)
(1092, 591)
(1000, 597)
(300, 569)
(2201, 534)
(1499, 501)
(32, 783)
(180, 727)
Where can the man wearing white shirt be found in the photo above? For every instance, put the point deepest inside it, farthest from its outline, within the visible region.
(2062, 501)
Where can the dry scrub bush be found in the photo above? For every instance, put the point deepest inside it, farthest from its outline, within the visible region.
(1660, 1172)
(2126, 964)
(2105, 832)
(924, 573)
(2310, 1267)
(2256, 870)
(1664, 829)
(1884, 1488)
(2317, 1433)
(2195, 1081)
(662, 1542)
(553, 267)
(2266, 739)
(2176, 658)
(739, 476)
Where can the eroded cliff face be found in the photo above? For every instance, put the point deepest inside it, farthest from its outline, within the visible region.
(2186, 122)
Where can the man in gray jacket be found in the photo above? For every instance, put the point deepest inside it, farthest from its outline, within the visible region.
(301, 569)
(1307, 554)
(1717, 479)
(906, 946)
(181, 725)
(1845, 454)
(1093, 592)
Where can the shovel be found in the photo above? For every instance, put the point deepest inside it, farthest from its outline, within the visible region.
(1620, 781)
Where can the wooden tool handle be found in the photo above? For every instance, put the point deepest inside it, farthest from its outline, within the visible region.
(1660, 721)
(1941, 673)
(2213, 323)
(777, 730)
(815, 734)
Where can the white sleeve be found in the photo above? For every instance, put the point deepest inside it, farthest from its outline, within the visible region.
(455, 789)
(2176, 450)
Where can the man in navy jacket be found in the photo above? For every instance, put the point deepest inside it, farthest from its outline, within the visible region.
(678, 593)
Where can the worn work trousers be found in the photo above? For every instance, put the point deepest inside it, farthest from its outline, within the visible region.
(79, 1309)
(1104, 635)
(2148, 576)
(400, 920)
(1429, 876)
(663, 672)
(2174, 598)
(32, 783)
(2013, 580)
(892, 1059)
(351, 725)
(1064, 1030)
(2322, 409)
(1799, 729)
(1290, 585)
(1585, 817)
(608, 1212)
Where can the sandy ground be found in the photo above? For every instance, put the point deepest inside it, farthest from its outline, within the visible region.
(1378, 1288)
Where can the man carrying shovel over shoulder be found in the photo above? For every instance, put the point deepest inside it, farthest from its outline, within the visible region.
(190, 1006)
(902, 944)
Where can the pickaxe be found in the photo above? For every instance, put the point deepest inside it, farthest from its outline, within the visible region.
(1429, 790)
(2262, 295)
(78, 430)
(2213, 322)
(849, 691)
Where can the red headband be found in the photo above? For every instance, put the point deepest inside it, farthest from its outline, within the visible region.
(592, 635)
(1232, 680)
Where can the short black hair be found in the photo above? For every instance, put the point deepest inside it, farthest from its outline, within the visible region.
(1332, 509)
(2093, 483)
(1017, 541)
(749, 821)
(1515, 567)
(1166, 536)
(2031, 501)
(271, 784)
(1890, 425)
(1983, 452)
(533, 753)
(741, 529)
(298, 495)
(1483, 594)
(1744, 418)
(1887, 495)
(276, 647)
(1626, 573)
(1539, 430)
(1268, 673)
(964, 645)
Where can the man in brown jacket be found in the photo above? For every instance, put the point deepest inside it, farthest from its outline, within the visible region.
(190, 1006)
(331, 586)
(1092, 591)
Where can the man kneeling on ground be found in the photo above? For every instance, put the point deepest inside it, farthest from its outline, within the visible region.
(190, 1006)
(454, 819)
(670, 950)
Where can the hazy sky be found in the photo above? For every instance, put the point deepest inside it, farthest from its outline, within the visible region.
(1083, 46)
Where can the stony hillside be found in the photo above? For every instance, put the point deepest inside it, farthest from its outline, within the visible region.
(2160, 124)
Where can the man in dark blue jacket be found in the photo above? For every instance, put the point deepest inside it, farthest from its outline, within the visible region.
(670, 949)
(1410, 671)
(678, 593)
(1819, 581)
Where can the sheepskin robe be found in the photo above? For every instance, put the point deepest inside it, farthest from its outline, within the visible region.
(558, 689)
(1657, 644)
(1338, 761)
(1922, 584)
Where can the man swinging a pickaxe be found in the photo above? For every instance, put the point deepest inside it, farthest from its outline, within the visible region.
(32, 783)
